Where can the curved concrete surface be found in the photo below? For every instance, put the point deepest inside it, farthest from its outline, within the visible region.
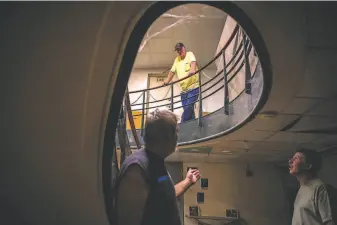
(59, 65)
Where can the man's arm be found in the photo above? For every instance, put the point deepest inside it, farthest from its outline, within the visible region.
(181, 187)
(171, 73)
(193, 68)
(193, 65)
(324, 207)
(169, 77)
(192, 177)
(132, 195)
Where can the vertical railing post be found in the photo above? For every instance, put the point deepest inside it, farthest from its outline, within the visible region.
(200, 102)
(143, 115)
(226, 93)
(248, 88)
(172, 94)
(128, 111)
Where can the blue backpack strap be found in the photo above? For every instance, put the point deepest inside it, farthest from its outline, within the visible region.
(163, 178)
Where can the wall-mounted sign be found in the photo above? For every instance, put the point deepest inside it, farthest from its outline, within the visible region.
(232, 213)
(194, 210)
(200, 197)
(204, 183)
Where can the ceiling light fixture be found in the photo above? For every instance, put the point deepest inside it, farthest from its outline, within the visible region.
(227, 152)
(267, 114)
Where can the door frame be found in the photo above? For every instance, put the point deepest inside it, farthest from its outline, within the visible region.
(149, 76)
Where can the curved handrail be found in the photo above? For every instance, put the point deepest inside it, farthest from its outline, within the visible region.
(203, 91)
(213, 78)
(231, 129)
(236, 72)
(229, 71)
(183, 143)
(235, 31)
(237, 96)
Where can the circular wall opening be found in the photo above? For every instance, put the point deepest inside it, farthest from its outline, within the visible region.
(130, 53)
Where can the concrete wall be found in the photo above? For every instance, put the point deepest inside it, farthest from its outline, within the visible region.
(236, 85)
(328, 172)
(259, 199)
(59, 64)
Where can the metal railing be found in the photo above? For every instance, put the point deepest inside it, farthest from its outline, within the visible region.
(235, 64)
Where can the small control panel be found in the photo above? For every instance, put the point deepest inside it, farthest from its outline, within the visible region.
(200, 197)
(194, 210)
(204, 183)
(232, 213)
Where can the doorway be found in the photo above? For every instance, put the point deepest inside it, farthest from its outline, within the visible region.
(155, 97)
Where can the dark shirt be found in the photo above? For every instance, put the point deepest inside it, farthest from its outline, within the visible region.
(161, 206)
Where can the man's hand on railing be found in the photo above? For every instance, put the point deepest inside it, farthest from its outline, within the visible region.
(165, 83)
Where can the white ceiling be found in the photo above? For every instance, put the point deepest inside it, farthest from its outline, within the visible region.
(197, 26)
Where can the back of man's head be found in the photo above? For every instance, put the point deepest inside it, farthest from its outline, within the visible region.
(313, 158)
(161, 130)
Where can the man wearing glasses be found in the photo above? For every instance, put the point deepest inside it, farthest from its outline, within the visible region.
(185, 65)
